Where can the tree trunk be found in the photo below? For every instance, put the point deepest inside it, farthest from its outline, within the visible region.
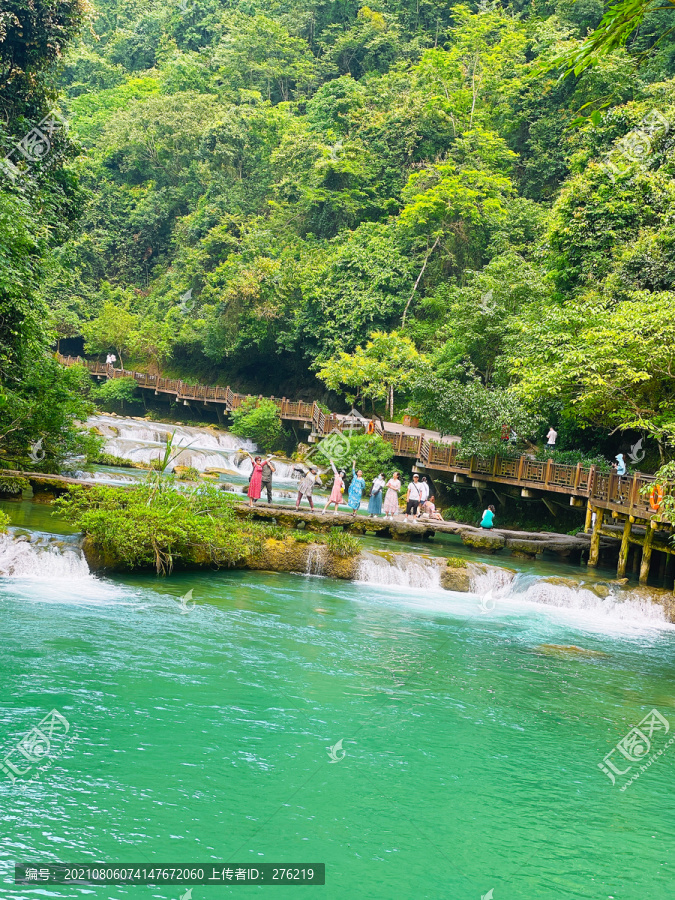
(419, 278)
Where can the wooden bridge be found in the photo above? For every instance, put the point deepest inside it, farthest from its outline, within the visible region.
(607, 497)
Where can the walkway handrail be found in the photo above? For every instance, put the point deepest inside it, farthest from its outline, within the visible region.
(619, 494)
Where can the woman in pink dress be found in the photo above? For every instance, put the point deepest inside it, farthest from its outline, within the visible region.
(390, 505)
(255, 484)
(338, 487)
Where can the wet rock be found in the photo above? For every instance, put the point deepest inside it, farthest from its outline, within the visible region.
(562, 582)
(482, 539)
(599, 589)
(456, 579)
(99, 560)
(291, 556)
(564, 650)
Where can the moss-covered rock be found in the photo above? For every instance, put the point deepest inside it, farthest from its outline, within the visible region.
(291, 556)
(483, 540)
(456, 579)
(97, 559)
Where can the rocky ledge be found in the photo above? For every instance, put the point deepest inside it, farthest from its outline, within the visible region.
(523, 544)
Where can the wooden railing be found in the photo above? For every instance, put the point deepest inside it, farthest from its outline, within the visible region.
(605, 489)
(296, 410)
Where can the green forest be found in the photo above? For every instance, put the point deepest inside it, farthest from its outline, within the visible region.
(415, 206)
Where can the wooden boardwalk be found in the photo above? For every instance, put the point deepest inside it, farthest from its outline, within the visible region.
(580, 483)
(625, 500)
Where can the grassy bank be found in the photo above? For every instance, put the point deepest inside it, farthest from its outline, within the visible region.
(153, 525)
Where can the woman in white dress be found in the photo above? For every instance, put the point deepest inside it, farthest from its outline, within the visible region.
(390, 505)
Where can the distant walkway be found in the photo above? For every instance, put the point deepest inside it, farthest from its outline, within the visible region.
(606, 496)
(404, 439)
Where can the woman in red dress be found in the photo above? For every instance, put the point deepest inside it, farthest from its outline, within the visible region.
(255, 484)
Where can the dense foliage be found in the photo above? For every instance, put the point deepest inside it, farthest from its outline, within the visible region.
(386, 201)
(260, 422)
(154, 526)
(39, 401)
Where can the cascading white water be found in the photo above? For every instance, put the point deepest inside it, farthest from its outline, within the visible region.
(143, 441)
(316, 559)
(612, 602)
(489, 579)
(42, 557)
(499, 589)
(401, 570)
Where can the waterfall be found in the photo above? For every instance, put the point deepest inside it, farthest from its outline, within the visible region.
(316, 559)
(490, 579)
(609, 601)
(143, 441)
(44, 556)
(503, 590)
(405, 570)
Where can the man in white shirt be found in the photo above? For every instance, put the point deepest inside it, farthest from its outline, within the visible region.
(424, 484)
(551, 438)
(413, 497)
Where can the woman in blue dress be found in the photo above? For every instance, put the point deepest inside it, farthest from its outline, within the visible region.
(356, 489)
(375, 502)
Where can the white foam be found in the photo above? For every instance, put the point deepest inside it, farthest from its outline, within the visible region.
(41, 559)
(143, 441)
(401, 570)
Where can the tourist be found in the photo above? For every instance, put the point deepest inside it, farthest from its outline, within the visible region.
(268, 470)
(428, 510)
(306, 486)
(488, 519)
(413, 497)
(424, 485)
(110, 359)
(375, 502)
(338, 488)
(620, 464)
(551, 438)
(255, 484)
(621, 470)
(390, 505)
(356, 489)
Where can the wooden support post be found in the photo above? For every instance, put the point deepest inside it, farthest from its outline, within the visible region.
(547, 476)
(521, 463)
(623, 552)
(594, 555)
(551, 507)
(589, 518)
(633, 493)
(646, 553)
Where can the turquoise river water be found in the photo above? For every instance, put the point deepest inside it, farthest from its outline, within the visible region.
(202, 731)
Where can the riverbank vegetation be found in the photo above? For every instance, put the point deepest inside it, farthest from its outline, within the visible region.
(397, 203)
(155, 526)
